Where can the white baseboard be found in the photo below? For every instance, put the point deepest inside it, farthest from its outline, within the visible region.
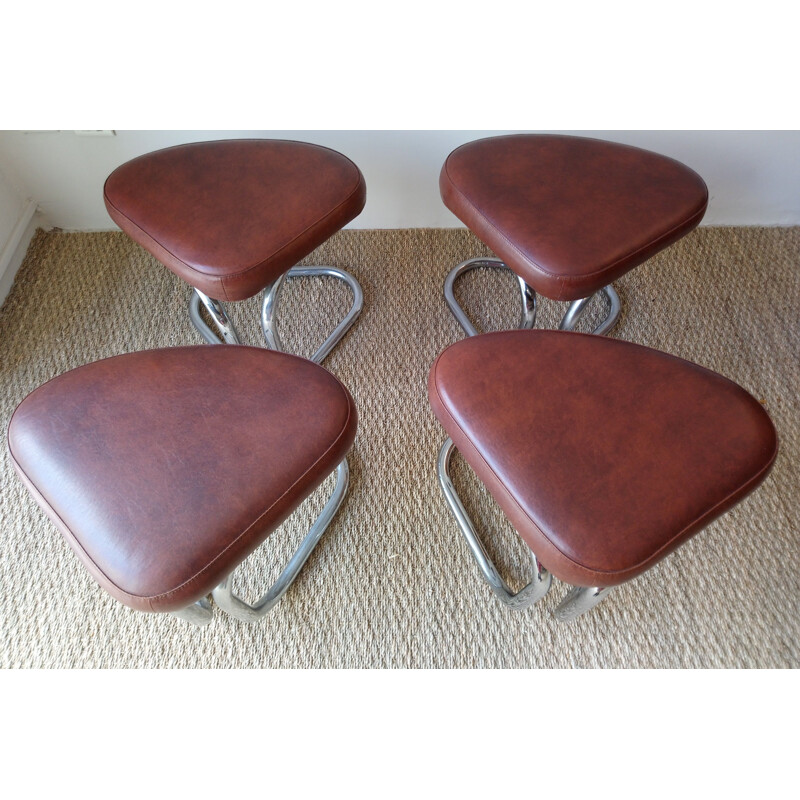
(13, 253)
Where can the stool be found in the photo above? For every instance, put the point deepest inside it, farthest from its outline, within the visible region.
(568, 215)
(603, 467)
(232, 217)
(163, 481)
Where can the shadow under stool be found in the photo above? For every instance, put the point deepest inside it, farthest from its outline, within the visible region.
(604, 455)
(568, 215)
(163, 481)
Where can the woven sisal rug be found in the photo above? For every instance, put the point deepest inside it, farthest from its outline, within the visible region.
(392, 584)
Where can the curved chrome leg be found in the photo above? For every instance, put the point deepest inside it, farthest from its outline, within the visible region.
(530, 594)
(218, 316)
(270, 303)
(198, 613)
(268, 307)
(613, 311)
(528, 305)
(568, 322)
(578, 601)
(236, 607)
(577, 307)
(528, 294)
(574, 313)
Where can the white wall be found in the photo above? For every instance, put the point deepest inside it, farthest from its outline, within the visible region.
(11, 205)
(753, 176)
(17, 225)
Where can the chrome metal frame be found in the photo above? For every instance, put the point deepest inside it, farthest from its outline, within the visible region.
(270, 304)
(539, 584)
(199, 613)
(580, 598)
(218, 316)
(577, 601)
(569, 320)
(225, 598)
(528, 294)
(226, 329)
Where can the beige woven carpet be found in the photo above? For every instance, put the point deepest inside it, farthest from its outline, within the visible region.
(392, 584)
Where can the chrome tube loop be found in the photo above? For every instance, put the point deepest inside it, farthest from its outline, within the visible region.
(528, 294)
(218, 316)
(270, 303)
(577, 307)
(578, 601)
(569, 320)
(527, 596)
(238, 608)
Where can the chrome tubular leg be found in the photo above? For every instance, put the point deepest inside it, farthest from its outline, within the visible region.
(574, 313)
(198, 613)
(268, 307)
(528, 294)
(270, 303)
(530, 594)
(578, 601)
(577, 307)
(218, 316)
(613, 311)
(236, 607)
(528, 305)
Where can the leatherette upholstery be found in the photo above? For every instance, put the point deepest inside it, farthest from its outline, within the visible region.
(605, 455)
(570, 214)
(230, 216)
(164, 469)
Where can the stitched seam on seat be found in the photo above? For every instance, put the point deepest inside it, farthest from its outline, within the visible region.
(222, 278)
(151, 598)
(557, 275)
(647, 560)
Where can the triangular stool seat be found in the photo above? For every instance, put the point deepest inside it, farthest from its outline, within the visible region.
(567, 214)
(163, 481)
(232, 217)
(604, 455)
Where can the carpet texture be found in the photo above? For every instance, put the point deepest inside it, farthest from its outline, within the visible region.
(392, 584)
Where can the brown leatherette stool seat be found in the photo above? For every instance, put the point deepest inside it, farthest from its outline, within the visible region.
(570, 214)
(232, 217)
(605, 455)
(162, 481)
